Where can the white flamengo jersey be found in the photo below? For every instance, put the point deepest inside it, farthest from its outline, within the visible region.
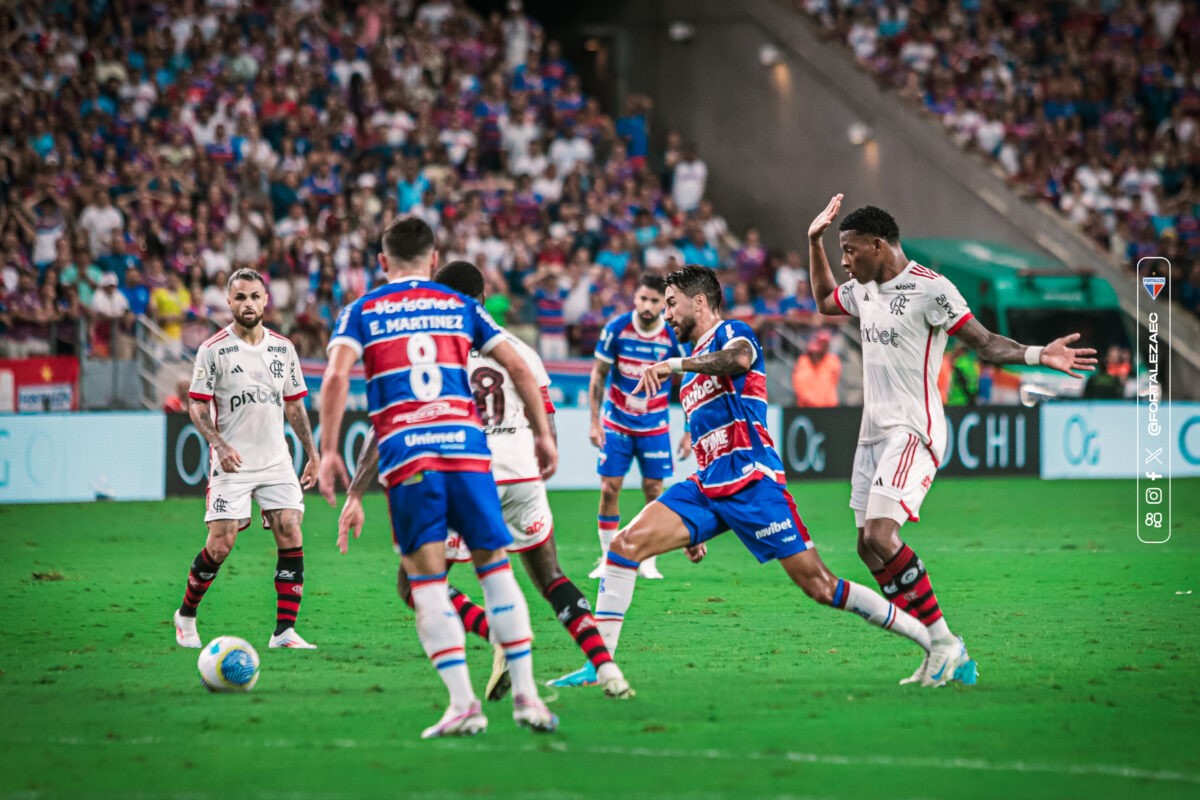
(509, 436)
(246, 386)
(905, 323)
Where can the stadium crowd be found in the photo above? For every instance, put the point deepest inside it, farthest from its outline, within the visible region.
(149, 149)
(1088, 105)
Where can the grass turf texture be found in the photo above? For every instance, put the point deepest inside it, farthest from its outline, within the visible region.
(1088, 657)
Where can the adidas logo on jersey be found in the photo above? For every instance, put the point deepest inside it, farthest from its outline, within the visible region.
(236, 370)
(879, 481)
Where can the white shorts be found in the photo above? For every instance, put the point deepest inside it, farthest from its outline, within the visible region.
(229, 494)
(526, 513)
(891, 478)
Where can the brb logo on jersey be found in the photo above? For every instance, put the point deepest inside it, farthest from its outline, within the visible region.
(877, 335)
(256, 395)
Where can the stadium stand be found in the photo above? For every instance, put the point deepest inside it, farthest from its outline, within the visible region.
(1087, 106)
(149, 149)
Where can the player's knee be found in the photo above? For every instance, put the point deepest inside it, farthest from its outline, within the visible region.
(865, 551)
(652, 488)
(218, 548)
(880, 537)
(610, 492)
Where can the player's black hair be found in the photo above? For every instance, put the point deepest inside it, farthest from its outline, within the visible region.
(654, 281)
(245, 274)
(463, 277)
(693, 280)
(872, 221)
(407, 239)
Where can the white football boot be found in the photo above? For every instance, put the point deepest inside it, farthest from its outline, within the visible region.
(531, 712)
(499, 683)
(609, 676)
(648, 569)
(458, 722)
(290, 638)
(185, 631)
(945, 657)
(598, 570)
(916, 676)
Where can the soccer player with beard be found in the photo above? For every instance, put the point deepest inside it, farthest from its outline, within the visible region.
(906, 313)
(250, 377)
(739, 484)
(632, 426)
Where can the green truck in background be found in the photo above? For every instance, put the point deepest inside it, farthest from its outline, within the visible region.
(1031, 298)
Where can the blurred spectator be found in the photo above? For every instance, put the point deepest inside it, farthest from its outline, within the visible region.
(170, 304)
(962, 366)
(1109, 383)
(817, 373)
(178, 402)
(689, 180)
(109, 307)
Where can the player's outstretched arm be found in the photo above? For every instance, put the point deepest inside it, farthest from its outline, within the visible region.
(202, 419)
(820, 275)
(734, 359)
(297, 415)
(366, 470)
(596, 385)
(1001, 350)
(335, 386)
(531, 395)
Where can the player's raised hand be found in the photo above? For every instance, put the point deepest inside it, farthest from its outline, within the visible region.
(596, 434)
(685, 447)
(696, 552)
(308, 478)
(351, 519)
(547, 455)
(332, 467)
(825, 218)
(1057, 355)
(652, 378)
(229, 458)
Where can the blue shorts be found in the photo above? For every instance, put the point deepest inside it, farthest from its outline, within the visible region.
(763, 515)
(653, 455)
(465, 501)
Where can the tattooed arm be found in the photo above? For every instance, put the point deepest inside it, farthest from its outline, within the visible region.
(734, 359)
(367, 468)
(202, 419)
(298, 416)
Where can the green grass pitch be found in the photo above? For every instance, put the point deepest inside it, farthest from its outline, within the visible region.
(1088, 644)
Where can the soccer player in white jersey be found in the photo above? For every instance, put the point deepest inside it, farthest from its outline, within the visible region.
(522, 500)
(906, 313)
(247, 380)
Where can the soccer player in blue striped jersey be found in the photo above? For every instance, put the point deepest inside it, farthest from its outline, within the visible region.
(414, 336)
(625, 425)
(739, 484)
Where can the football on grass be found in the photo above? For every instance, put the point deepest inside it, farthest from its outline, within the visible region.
(228, 664)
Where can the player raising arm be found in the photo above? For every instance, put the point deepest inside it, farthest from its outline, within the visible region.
(739, 483)
(414, 337)
(906, 313)
(251, 377)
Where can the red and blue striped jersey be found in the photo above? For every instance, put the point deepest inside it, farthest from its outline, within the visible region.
(549, 307)
(727, 416)
(414, 337)
(630, 350)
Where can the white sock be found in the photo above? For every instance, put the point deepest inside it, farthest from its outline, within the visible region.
(607, 527)
(877, 611)
(441, 634)
(616, 593)
(508, 616)
(939, 630)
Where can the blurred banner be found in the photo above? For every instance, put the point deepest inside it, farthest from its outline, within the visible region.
(187, 452)
(981, 440)
(66, 458)
(568, 383)
(39, 384)
(1100, 440)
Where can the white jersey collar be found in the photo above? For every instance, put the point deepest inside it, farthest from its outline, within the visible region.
(886, 285)
(233, 333)
(703, 340)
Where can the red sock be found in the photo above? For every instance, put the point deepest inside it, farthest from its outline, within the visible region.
(573, 611)
(289, 587)
(905, 581)
(200, 577)
(474, 618)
